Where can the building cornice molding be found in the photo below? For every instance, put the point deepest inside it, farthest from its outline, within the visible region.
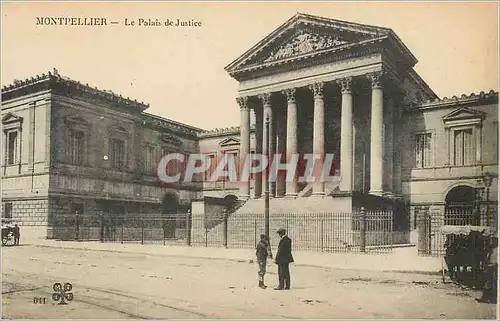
(472, 99)
(227, 131)
(160, 123)
(56, 82)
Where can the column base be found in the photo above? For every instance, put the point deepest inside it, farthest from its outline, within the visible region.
(291, 196)
(318, 194)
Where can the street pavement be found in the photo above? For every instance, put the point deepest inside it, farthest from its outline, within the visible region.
(120, 284)
(398, 260)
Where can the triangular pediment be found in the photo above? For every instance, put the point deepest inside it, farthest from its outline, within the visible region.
(11, 118)
(305, 35)
(231, 141)
(462, 114)
(171, 139)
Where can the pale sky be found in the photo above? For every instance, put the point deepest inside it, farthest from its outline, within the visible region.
(180, 72)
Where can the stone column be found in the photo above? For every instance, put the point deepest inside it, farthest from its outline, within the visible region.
(244, 143)
(258, 149)
(280, 149)
(397, 138)
(291, 137)
(389, 145)
(376, 137)
(318, 137)
(267, 113)
(346, 139)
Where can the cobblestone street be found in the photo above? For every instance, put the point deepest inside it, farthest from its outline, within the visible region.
(133, 285)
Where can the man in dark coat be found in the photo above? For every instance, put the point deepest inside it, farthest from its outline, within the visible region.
(283, 259)
(17, 234)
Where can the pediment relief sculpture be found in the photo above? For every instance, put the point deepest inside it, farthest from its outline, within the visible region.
(304, 43)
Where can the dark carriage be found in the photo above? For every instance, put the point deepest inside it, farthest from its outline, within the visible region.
(7, 233)
(467, 249)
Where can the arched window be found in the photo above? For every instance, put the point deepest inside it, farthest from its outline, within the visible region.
(460, 206)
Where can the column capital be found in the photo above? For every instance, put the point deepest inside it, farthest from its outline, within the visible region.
(242, 102)
(345, 85)
(317, 89)
(265, 98)
(290, 94)
(377, 79)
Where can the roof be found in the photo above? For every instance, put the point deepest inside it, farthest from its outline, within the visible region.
(491, 96)
(51, 79)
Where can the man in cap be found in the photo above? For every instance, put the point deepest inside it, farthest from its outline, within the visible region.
(283, 259)
(262, 251)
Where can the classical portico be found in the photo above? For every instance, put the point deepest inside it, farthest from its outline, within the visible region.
(327, 87)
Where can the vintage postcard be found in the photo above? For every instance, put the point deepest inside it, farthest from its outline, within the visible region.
(188, 160)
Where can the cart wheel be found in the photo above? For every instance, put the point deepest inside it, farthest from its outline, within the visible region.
(8, 240)
(443, 274)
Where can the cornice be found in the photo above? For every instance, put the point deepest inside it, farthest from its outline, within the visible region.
(53, 80)
(482, 97)
(235, 130)
(157, 122)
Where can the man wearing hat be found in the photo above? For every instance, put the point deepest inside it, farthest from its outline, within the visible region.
(283, 259)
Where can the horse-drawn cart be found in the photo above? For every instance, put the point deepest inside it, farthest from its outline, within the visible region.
(466, 252)
(7, 233)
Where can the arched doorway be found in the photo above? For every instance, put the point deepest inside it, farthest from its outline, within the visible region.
(170, 204)
(460, 206)
(170, 210)
(230, 202)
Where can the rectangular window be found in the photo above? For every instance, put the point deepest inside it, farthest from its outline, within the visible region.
(464, 147)
(254, 163)
(211, 169)
(232, 158)
(150, 160)
(11, 147)
(495, 126)
(77, 147)
(117, 156)
(7, 210)
(423, 151)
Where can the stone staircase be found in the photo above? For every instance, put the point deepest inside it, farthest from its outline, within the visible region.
(311, 222)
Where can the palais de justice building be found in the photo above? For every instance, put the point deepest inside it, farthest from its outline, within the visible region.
(325, 86)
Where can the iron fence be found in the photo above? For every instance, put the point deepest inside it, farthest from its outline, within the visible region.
(371, 232)
(431, 241)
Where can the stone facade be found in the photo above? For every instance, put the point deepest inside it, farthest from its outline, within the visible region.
(326, 86)
(69, 148)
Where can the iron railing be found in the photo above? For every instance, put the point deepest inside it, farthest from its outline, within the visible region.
(366, 231)
(431, 241)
